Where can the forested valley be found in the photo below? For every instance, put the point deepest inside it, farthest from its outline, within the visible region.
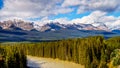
(92, 52)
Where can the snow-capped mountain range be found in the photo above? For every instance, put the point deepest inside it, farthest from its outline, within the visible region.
(18, 30)
(53, 26)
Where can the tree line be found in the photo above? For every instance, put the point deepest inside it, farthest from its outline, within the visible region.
(12, 57)
(92, 52)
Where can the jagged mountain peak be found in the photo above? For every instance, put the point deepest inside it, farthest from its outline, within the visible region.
(16, 23)
(13, 27)
(52, 26)
(0, 27)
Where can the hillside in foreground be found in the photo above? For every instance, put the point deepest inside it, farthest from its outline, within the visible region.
(92, 52)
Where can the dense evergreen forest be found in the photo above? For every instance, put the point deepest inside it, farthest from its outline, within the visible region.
(92, 52)
(12, 57)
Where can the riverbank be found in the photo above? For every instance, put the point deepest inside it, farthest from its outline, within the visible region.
(38, 62)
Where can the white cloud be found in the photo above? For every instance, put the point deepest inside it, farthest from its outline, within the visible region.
(45, 20)
(62, 20)
(22, 9)
(91, 5)
(115, 24)
(42, 8)
(67, 3)
(93, 17)
(62, 10)
(96, 18)
(32, 8)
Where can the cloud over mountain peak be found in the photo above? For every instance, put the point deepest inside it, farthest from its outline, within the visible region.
(42, 11)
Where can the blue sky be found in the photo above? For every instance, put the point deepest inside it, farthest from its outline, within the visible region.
(1, 4)
(71, 15)
(83, 11)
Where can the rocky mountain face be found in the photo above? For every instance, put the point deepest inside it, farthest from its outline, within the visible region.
(0, 27)
(17, 30)
(16, 24)
(53, 26)
(58, 26)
